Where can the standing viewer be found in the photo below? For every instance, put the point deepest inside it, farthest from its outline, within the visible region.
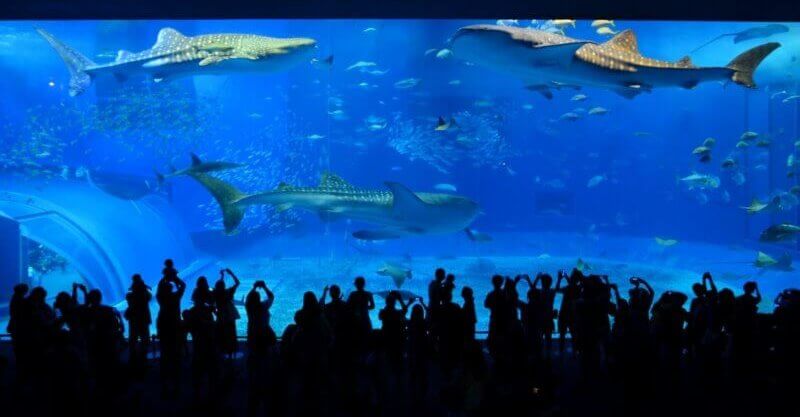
(168, 325)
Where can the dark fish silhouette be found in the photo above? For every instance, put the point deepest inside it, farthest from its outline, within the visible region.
(758, 32)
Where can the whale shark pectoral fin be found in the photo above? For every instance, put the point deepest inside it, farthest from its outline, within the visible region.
(243, 55)
(628, 92)
(404, 202)
(690, 84)
(330, 215)
(211, 60)
(541, 89)
(380, 234)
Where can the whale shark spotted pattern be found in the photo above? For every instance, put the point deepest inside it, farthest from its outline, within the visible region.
(546, 61)
(398, 211)
(176, 54)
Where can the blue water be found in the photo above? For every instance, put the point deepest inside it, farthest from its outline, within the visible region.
(527, 167)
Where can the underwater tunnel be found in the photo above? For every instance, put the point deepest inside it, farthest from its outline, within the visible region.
(102, 238)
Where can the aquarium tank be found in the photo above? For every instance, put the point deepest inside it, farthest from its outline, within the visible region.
(306, 153)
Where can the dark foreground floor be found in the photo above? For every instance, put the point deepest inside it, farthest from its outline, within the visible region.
(559, 388)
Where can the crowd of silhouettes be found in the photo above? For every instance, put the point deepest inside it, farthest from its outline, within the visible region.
(422, 358)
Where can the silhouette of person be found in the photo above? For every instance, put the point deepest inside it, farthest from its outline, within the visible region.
(530, 313)
(419, 355)
(592, 325)
(497, 304)
(200, 323)
(620, 330)
(435, 291)
(17, 315)
(260, 341)
(139, 319)
(260, 335)
(744, 329)
(546, 311)
(310, 345)
(105, 330)
(339, 318)
(640, 300)
(360, 302)
(699, 323)
(227, 314)
(449, 284)
(566, 313)
(36, 329)
(787, 344)
(202, 292)
(169, 292)
(726, 306)
(470, 316)
(669, 317)
(393, 328)
(449, 333)
(67, 315)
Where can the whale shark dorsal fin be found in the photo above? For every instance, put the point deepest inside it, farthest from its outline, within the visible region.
(624, 40)
(685, 62)
(284, 186)
(196, 160)
(122, 55)
(404, 201)
(331, 180)
(167, 37)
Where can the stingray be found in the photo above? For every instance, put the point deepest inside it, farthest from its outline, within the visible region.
(758, 32)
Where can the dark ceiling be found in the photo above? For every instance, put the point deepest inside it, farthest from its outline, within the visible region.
(761, 10)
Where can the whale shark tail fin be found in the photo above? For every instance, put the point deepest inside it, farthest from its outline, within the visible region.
(76, 63)
(226, 196)
(745, 64)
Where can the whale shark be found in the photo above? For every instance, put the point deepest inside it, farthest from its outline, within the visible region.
(397, 211)
(175, 54)
(546, 61)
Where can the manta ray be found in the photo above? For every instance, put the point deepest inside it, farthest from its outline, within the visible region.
(397, 211)
(175, 54)
(546, 61)
(758, 32)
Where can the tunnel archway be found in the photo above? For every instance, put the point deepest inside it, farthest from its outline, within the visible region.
(104, 238)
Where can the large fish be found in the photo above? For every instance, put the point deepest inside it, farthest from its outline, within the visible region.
(779, 232)
(757, 32)
(198, 166)
(397, 272)
(175, 54)
(398, 211)
(765, 262)
(546, 60)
